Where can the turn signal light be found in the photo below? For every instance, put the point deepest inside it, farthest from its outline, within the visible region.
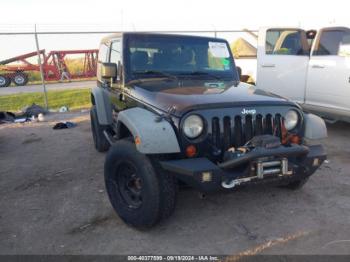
(191, 151)
(289, 138)
(137, 140)
(294, 139)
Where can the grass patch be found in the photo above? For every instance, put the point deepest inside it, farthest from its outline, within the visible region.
(73, 99)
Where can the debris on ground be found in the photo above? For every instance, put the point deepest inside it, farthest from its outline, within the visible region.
(41, 117)
(7, 117)
(64, 125)
(33, 110)
(29, 113)
(21, 120)
(63, 109)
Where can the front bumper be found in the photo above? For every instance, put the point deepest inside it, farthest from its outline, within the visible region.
(206, 176)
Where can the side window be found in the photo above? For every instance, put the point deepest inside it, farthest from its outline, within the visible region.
(103, 53)
(344, 48)
(115, 56)
(285, 42)
(335, 42)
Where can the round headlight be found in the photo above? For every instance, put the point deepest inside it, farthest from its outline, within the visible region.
(193, 126)
(291, 120)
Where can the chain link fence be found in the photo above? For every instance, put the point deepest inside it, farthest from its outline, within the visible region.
(34, 61)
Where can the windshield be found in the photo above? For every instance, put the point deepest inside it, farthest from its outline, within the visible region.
(179, 56)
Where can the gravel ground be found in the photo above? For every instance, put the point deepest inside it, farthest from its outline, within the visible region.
(53, 201)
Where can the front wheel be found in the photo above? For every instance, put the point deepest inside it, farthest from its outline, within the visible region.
(139, 192)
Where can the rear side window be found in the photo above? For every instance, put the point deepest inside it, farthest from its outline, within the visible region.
(285, 42)
(344, 48)
(335, 42)
(115, 52)
(103, 53)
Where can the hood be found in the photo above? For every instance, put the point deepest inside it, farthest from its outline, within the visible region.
(186, 96)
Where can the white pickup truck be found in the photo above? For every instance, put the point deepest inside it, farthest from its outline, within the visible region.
(309, 67)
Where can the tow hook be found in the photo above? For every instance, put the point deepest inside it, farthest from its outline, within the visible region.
(228, 184)
(235, 182)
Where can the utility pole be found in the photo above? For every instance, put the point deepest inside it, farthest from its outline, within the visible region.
(41, 68)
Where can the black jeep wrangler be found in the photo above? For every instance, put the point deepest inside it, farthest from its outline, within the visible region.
(171, 109)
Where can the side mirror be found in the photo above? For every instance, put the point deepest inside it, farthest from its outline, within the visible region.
(108, 70)
(311, 34)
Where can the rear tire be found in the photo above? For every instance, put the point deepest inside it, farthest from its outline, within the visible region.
(5, 81)
(20, 79)
(155, 197)
(100, 141)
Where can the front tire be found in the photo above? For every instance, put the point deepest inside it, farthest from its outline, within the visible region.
(139, 192)
(100, 141)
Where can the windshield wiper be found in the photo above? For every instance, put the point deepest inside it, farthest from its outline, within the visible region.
(202, 73)
(155, 73)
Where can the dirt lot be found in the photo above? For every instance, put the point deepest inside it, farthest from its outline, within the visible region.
(53, 201)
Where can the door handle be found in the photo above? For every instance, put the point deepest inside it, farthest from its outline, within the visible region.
(318, 66)
(268, 65)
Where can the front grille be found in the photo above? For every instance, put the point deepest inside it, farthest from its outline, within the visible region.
(236, 131)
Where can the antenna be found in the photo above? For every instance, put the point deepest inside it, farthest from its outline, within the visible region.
(121, 19)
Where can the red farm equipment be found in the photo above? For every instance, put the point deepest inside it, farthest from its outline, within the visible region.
(16, 69)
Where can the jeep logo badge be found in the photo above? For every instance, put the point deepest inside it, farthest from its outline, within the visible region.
(248, 111)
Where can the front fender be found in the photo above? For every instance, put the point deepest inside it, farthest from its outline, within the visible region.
(153, 137)
(315, 127)
(103, 106)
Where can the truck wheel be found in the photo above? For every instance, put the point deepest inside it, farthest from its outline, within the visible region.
(100, 141)
(139, 192)
(20, 79)
(4, 81)
(297, 184)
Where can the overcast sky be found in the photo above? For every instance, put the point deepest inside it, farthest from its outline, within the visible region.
(63, 15)
(179, 14)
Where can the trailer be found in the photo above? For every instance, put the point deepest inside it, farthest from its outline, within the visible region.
(54, 63)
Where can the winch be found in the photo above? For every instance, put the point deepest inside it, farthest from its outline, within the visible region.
(261, 167)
